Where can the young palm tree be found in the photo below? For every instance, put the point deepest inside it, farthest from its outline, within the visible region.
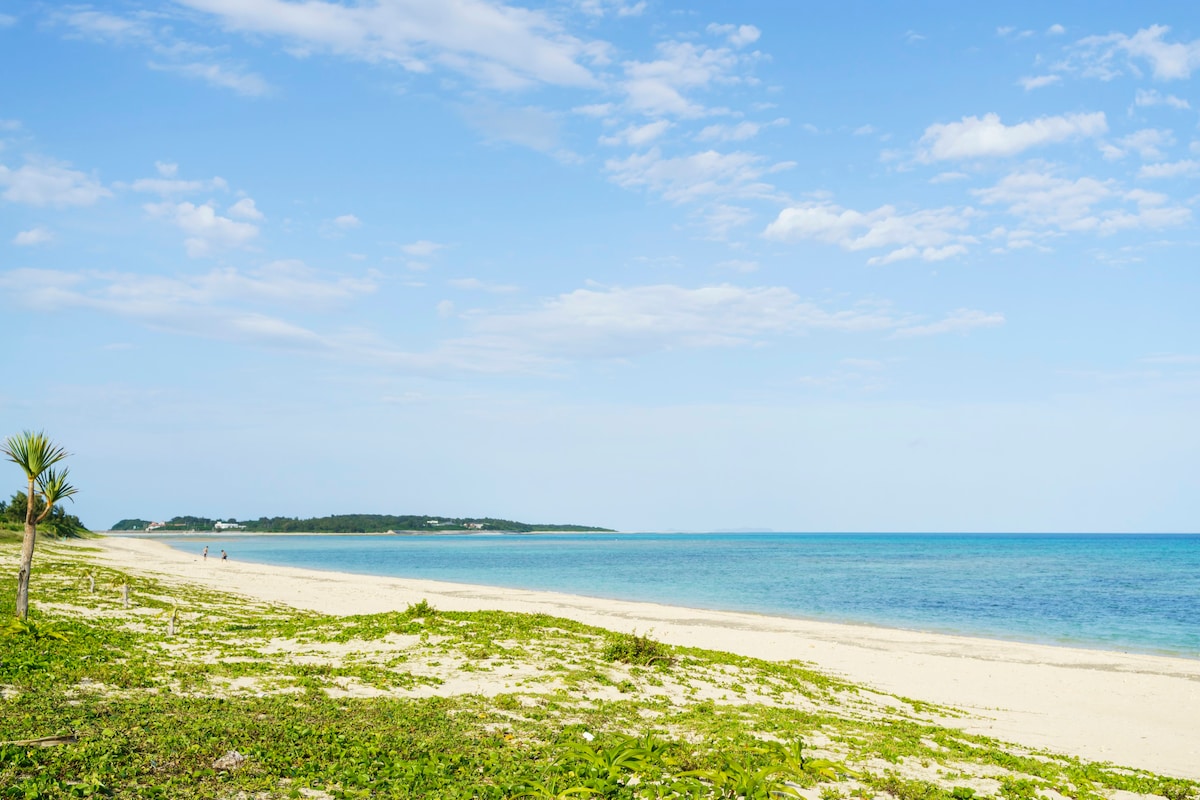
(36, 455)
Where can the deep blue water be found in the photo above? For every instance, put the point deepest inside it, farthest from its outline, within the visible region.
(1116, 592)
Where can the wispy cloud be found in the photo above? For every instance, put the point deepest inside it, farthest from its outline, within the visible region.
(498, 45)
(33, 236)
(1085, 204)
(50, 183)
(219, 304)
(1105, 56)
(928, 235)
(988, 137)
(699, 176)
(154, 34)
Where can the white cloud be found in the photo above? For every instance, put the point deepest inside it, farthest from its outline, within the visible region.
(736, 35)
(959, 321)
(1095, 56)
(223, 77)
(1152, 212)
(347, 222)
(245, 209)
(1038, 81)
(496, 44)
(33, 236)
(625, 322)
(1049, 200)
(206, 229)
(910, 252)
(50, 183)
(1152, 97)
(167, 184)
(864, 130)
(1008, 31)
(931, 235)
(100, 26)
(596, 110)
(218, 304)
(620, 323)
(1147, 143)
(637, 135)
(7, 20)
(656, 88)
(735, 133)
(1043, 200)
(1176, 169)
(601, 8)
(719, 219)
(422, 248)
(175, 55)
(987, 137)
(1055, 30)
(696, 177)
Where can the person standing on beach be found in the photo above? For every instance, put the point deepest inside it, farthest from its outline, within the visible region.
(224, 556)
(204, 555)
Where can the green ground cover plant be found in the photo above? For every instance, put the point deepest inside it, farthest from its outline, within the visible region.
(101, 699)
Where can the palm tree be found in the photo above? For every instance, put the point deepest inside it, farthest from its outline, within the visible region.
(36, 455)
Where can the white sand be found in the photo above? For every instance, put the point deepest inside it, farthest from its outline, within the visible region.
(1133, 710)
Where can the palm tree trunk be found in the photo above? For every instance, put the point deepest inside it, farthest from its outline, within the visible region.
(26, 556)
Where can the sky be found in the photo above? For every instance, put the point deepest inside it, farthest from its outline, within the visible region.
(644, 264)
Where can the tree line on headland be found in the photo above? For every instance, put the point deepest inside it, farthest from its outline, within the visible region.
(347, 523)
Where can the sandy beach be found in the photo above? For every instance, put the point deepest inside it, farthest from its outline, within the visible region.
(1131, 709)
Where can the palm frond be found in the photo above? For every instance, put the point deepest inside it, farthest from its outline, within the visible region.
(54, 487)
(33, 452)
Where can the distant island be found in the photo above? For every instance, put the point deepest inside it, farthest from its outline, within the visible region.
(347, 523)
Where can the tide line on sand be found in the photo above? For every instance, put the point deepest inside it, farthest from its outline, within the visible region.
(1138, 710)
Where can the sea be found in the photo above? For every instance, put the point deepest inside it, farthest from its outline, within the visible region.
(1133, 593)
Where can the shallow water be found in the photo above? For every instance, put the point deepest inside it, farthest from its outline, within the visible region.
(1110, 591)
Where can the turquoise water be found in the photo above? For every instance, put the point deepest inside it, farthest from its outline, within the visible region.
(1116, 592)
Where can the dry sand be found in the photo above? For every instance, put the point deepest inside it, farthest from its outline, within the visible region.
(1130, 709)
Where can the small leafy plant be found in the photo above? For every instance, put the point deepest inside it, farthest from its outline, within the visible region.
(36, 630)
(630, 648)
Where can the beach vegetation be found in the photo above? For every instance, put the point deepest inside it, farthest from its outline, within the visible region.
(37, 456)
(420, 610)
(384, 705)
(630, 648)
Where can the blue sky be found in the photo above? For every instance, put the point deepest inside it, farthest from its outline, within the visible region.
(647, 265)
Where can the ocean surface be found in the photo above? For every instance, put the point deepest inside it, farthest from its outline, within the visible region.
(1115, 592)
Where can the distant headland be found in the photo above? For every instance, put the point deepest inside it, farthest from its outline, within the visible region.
(348, 523)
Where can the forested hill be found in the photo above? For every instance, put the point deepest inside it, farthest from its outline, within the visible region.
(346, 523)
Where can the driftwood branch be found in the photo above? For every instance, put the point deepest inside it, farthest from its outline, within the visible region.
(45, 741)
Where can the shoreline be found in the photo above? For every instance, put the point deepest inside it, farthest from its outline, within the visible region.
(1097, 644)
(1128, 708)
